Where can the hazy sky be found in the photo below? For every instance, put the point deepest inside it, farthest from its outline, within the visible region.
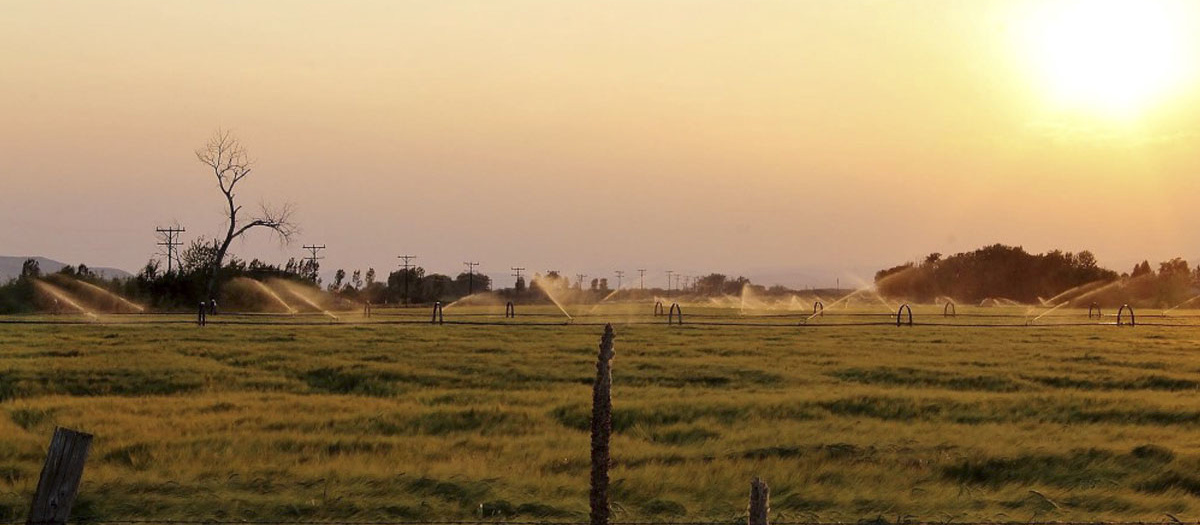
(777, 138)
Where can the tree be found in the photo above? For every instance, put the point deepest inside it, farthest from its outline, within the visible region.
(370, 277)
(30, 269)
(1142, 269)
(338, 277)
(356, 281)
(198, 256)
(225, 155)
(713, 283)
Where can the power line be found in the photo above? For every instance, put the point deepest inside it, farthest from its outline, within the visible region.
(407, 267)
(642, 276)
(471, 277)
(517, 272)
(620, 274)
(581, 277)
(314, 249)
(312, 259)
(170, 238)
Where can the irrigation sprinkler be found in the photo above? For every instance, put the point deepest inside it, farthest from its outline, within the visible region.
(1094, 308)
(900, 313)
(819, 308)
(367, 309)
(658, 309)
(201, 320)
(510, 311)
(438, 318)
(1132, 318)
(949, 310)
(675, 311)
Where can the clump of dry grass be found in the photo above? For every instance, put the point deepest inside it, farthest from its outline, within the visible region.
(420, 422)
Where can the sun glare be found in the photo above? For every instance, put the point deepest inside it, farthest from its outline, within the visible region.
(1113, 56)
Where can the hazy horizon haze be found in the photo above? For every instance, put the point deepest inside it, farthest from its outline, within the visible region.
(812, 138)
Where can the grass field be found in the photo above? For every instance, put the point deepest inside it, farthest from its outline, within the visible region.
(412, 421)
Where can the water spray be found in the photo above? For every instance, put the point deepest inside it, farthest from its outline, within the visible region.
(61, 297)
(110, 295)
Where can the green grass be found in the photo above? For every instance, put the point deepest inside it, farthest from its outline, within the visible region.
(414, 421)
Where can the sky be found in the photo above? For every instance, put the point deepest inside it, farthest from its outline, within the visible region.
(799, 142)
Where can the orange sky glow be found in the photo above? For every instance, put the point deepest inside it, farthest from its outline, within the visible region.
(801, 141)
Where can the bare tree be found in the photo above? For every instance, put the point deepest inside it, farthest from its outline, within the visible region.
(230, 163)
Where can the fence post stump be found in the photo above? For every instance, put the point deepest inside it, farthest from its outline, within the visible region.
(760, 502)
(601, 429)
(59, 482)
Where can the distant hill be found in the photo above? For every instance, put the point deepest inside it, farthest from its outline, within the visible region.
(10, 268)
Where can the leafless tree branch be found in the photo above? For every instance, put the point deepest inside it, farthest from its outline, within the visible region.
(225, 155)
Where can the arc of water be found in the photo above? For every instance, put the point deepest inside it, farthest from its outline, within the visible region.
(1043, 314)
(271, 293)
(111, 295)
(63, 296)
(554, 300)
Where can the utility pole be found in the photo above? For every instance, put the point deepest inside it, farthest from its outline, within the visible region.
(642, 276)
(581, 278)
(517, 272)
(312, 259)
(620, 274)
(407, 270)
(669, 273)
(169, 237)
(471, 276)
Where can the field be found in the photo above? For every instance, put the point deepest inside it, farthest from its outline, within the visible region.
(314, 419)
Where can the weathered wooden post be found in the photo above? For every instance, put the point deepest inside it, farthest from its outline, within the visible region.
(59, 482)
(601, 428)
(760, 502)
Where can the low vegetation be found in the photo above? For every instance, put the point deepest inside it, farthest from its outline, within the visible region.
(442, 422)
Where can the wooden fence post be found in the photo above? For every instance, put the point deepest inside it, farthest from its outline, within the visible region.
(601, 429)
(59, 482)
(760, 502)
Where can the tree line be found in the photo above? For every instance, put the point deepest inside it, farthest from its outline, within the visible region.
(1009, 272)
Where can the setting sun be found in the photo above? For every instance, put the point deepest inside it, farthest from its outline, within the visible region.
(1112, 56)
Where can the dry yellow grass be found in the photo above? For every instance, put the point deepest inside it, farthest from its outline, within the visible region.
(437, 422)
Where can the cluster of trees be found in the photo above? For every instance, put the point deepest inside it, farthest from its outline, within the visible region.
(1009, 272)
(19, 295)
(411, 285)
(1173, 284)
